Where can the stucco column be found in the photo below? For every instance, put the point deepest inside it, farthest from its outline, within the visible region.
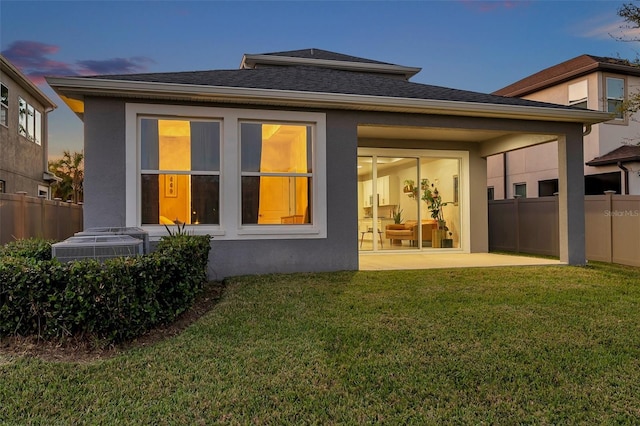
(571, 197)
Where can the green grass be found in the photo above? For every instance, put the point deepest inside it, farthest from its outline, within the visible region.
(541, 345)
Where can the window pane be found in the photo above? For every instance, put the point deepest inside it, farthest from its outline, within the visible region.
(276, 200)
(38, 121)
(22, 117)
(615, 106)
(4, 95)
(30, 122)
(205, 200)
(174, 145)
(173, 198)
(205, 146)
(4, 115)
(578, 92)
(149, 144)
(275, 148)
(251, 146)
(615, 88)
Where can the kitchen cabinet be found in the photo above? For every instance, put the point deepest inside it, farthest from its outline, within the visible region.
(387, 189)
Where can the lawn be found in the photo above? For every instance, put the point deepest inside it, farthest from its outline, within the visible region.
(542, 345)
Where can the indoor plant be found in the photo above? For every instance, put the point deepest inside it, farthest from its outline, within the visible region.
(432, 197)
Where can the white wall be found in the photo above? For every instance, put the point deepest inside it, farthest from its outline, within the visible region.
(533, 164)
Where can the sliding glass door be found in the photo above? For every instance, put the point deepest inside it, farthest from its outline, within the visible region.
(408, 203)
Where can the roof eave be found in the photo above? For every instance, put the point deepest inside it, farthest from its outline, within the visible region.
(248, 61)
(15, 74)
(75, 88)
(596, 162)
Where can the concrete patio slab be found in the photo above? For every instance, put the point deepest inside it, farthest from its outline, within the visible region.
(387, 261)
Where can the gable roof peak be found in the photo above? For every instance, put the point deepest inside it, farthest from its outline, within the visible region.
(326, 59)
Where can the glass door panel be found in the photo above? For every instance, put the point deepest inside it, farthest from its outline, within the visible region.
(365, 204)
(398, 208)
(439, 201)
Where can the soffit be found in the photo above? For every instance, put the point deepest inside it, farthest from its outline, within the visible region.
(428, 133)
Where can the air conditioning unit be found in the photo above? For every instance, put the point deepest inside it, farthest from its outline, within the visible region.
(100, 247)
(134, 232)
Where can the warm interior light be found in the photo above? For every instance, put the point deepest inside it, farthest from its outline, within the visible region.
(174, 154)
(284, 149)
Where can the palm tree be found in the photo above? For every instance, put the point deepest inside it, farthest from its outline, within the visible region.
(70, 167)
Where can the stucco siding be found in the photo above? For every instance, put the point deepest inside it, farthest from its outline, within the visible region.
(104, 151)
(22, 162)
(337, 252)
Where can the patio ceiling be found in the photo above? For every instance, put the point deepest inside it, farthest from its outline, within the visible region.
(492, 141)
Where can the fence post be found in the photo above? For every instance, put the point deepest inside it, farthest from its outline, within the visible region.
(516, 206)
(21, 216)
(609, 228)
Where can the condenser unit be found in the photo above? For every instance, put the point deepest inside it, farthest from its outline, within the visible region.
(100, 247)
(134, 232)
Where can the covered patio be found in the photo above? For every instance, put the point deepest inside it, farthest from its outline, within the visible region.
(401, 261)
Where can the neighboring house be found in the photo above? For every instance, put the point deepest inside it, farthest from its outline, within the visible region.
(279, 160)
(23, 134)
(611, 150)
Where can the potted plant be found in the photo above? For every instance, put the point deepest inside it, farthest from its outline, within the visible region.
(448, 242)
(410, 188)
(397, 216)
(397, 225)
(432, 197)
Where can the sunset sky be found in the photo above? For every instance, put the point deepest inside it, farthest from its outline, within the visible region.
(465, 44)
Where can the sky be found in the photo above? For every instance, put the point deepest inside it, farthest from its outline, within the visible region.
(472, 45)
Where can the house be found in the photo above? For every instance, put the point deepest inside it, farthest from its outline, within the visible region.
(297, 160)
(611, 150)
(23, 134)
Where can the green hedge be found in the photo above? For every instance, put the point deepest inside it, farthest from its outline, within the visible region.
(114, 301)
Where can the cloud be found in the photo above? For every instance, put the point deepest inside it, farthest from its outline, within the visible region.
(115, 65)
(486, 6)
(34, 60)
(606, 28)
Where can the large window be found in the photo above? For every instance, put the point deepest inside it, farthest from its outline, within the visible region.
(29, 122)
(276, 170)
(615, 96)
(578, 94)
(180, 171)
(232, 173)
(4, 105)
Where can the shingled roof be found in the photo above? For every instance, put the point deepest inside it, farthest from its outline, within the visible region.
(326, 55)
(623, 154)
(573, 68)
(323, 80)
(313, 77)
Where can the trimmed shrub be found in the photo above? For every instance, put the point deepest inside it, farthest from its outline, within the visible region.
(35, 248)
(117, 300)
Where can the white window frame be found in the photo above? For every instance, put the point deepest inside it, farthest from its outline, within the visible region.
(515, 189)
(4, 106)
(230, 227)
(38, 127)
(32, 125)
(464, 203)
(43, 192)
(616, 120)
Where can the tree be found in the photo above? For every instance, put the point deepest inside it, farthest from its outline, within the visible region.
(630, 12)
(70, 168)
